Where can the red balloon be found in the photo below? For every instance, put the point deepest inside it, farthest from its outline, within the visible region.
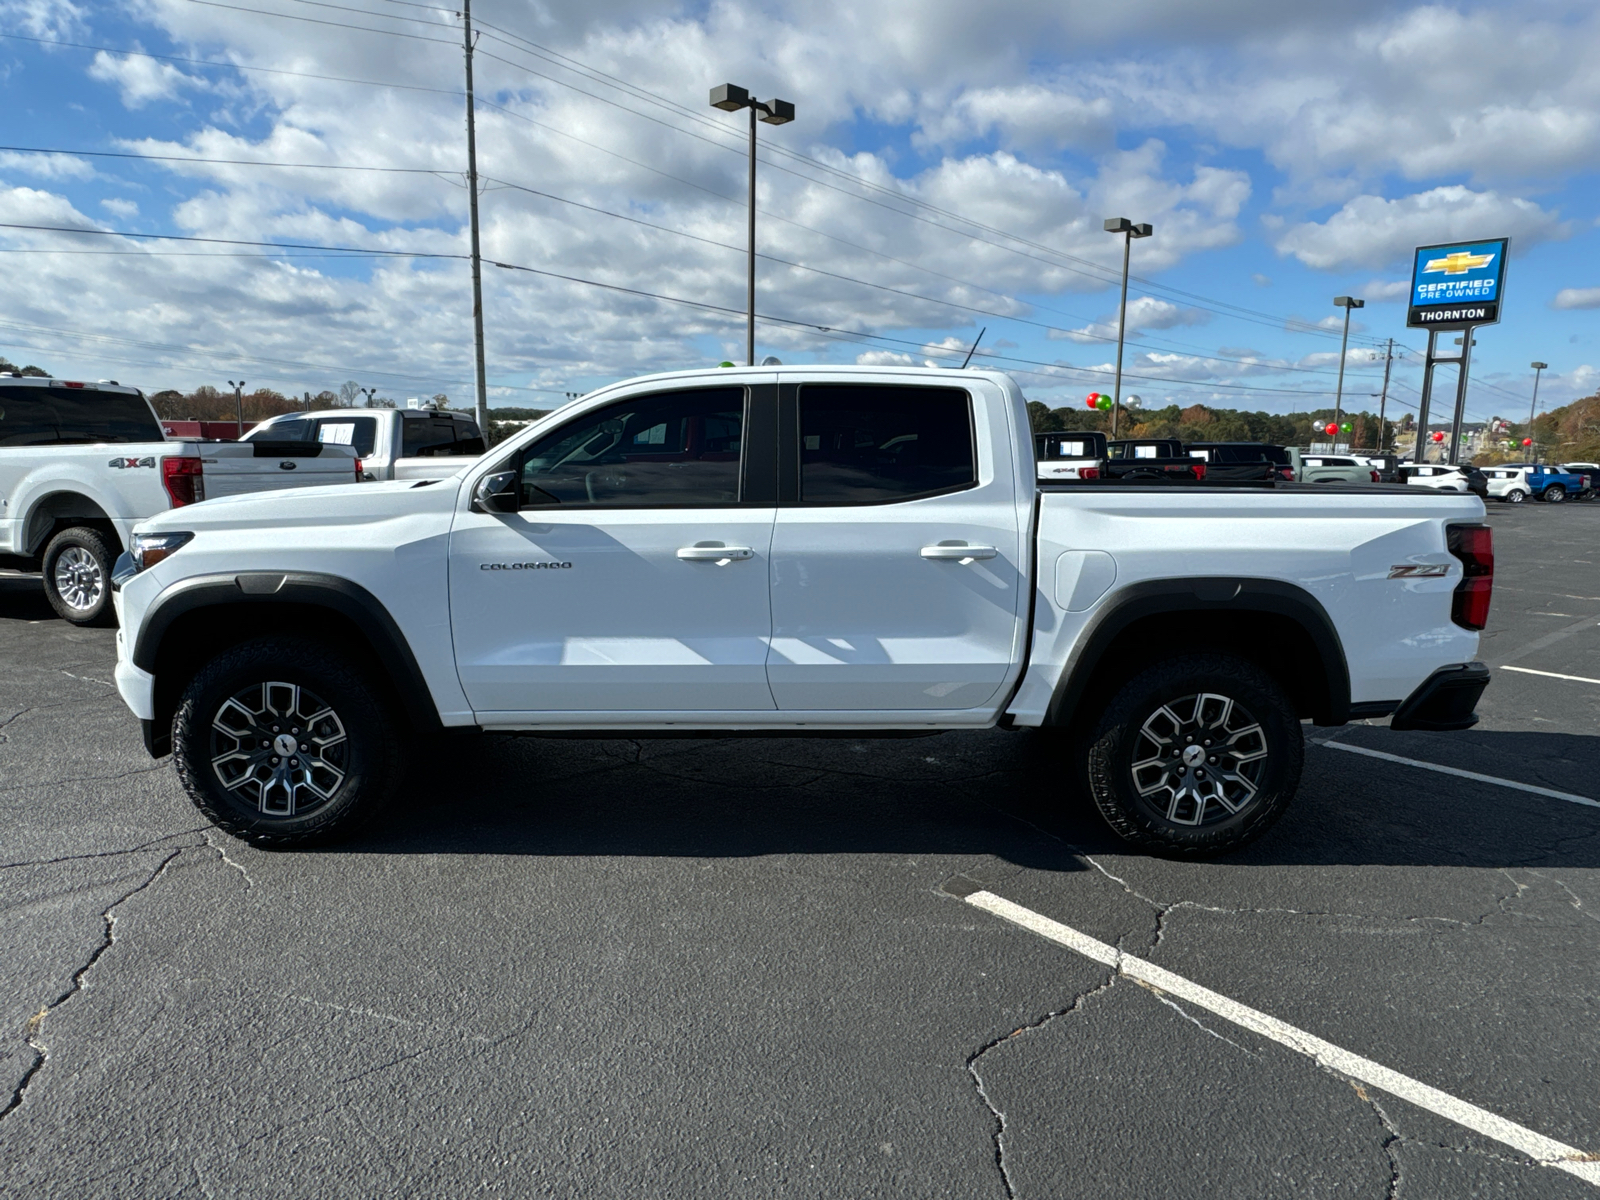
(1527, 441)
(1438, 437)
(1090, 402)
(1330, 429)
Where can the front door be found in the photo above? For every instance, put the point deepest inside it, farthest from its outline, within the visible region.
(633, 577)
(898, 578)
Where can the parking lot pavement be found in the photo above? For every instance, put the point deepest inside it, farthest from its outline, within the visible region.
(743, 967)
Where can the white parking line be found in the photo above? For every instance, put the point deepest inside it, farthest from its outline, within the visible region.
(1443, 770)
(1552, 674)
(1542, 1150)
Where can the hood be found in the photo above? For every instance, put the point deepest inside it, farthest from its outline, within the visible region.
(333, 504)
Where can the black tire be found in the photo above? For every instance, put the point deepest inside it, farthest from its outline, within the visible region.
(77, 576)
(232, 732)
(1554, 494)
(1515, 496)
(1180, 701)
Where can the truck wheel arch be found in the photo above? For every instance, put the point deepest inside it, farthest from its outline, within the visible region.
(197, 617)
(1278, 625)
(55, 511)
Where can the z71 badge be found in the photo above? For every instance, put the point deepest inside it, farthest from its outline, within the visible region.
(124, 463)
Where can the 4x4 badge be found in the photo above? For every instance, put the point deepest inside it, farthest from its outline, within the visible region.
(123, 463)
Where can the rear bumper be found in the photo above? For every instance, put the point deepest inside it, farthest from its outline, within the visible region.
(1445, 699)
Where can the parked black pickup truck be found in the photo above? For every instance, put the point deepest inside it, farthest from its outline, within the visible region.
(1152, 458)
(1242, 462)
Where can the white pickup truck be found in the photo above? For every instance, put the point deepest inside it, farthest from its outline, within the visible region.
(82, 463)
(813, 550)
(404, 443)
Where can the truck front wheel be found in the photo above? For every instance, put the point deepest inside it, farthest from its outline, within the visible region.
(1196, 756)
(77, 576)
(282, 741)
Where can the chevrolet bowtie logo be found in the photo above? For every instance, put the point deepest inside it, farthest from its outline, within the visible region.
(1458, 263)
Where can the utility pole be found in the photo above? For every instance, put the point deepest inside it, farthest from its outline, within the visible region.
(472, 206)
(1383, 400)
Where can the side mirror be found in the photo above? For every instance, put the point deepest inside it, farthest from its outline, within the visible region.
(496, 493)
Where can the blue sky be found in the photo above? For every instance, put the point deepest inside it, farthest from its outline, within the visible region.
(946, 158)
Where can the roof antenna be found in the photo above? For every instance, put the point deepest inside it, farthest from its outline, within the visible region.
(974, 349)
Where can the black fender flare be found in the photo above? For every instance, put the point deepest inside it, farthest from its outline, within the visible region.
(1208, 594)
(256, 589)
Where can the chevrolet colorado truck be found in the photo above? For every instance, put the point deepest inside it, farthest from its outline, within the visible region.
(814, 551)
(82, 463)
(392, 443)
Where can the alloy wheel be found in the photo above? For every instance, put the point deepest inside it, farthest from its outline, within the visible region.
(1199, 759)
(279, 748)
(78, 579)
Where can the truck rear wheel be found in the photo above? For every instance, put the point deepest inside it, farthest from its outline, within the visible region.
(282, 741)
(1196, 756)
(1554, 494)
(77, 576)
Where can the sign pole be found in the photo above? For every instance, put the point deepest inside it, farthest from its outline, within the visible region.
(1420, 451)
(1461, 394)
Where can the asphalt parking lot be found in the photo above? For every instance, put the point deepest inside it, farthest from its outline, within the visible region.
(744, 967)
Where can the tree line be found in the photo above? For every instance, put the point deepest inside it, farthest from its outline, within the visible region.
(1201, 423)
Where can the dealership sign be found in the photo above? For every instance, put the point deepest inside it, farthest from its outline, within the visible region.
(1457, 285)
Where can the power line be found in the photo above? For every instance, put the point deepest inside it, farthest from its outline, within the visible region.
(175, 237)
(263, 12)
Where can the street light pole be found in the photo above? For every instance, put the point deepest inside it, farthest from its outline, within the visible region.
(1533, 408)
(1129, 231)
(238, 397)
(731, 98)
(368, 393)
(1346, 303)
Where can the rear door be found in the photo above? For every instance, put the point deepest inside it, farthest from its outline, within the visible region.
(633, 578)
(898, 557)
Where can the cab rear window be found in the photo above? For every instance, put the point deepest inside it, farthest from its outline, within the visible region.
(37, 416)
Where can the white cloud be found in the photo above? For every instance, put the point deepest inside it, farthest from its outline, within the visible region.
(1577, 298)
(1381, 290)
(1374, 233)
(1144, 312)
(47, 166)
(126, 209)
(141, 79)
(1261, 280)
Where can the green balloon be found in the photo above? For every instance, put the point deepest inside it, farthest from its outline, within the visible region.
(1103, 404)
(1345, 427)
(726, 364)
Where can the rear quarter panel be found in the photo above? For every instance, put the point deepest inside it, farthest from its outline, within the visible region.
(1339, 547)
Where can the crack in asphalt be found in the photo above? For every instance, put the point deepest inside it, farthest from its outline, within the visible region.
(18, 787)
(107, 939)
(223, 854)
(50, 862)
(999, 1117)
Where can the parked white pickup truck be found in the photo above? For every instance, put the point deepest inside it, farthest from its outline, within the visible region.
(82, 463)
(404, 443)
(814, 550)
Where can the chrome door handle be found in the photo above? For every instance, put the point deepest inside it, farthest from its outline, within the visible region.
(715, 553)
(958, 551)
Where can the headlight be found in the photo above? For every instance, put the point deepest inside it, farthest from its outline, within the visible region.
(150, 548)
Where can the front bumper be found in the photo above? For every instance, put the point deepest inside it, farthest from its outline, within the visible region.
(1445, 699)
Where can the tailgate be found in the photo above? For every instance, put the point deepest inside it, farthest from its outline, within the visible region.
(233, 468)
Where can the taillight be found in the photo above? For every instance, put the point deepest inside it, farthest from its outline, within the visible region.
(184, 479)
(1088, 472)
(1474, 546)
(1199, 470)
(1286, 473)
(1374, 477)
(358, 470)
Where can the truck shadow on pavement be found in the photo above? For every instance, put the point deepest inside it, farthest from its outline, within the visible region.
(959, 794)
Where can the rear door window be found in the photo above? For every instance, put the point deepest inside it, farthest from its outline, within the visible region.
(430, 437)
(86, 416)
(358, 432)
(26, 418)
(861, 444)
